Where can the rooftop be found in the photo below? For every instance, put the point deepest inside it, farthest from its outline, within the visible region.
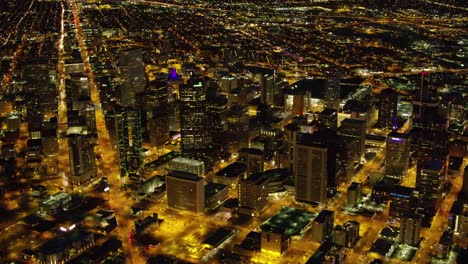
(163, 159)
(353, 121)
(193, 162)
(277, 175)
(56, 198)
(232, 170)
(288, 221)
(218, 237)
(328, 112)
(323, 216)
(257, 178)
(433, 165)
(184, 176)
(213, 188)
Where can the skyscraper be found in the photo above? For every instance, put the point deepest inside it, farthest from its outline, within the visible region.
(40, 93)
(76, 89)
(397, 156)
(194, 125)
(388, 108)
(253, 158)
(332, 92)
(130, 150)
(253, 194)
(410, 228)
(185, 191)
(322, 226)
(267, 85)
(329, 118)
(86, 110)
(429, 183)
(82, 156)
(355, 128)
(310, 171)
(132, 73)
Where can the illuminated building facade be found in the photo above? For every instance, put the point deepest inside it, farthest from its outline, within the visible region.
(185, 191)
(310, 172)
(429, 184)
(322, 226)
(329, 118)
(388, 108)
(410, 228)
(402, 201)
(253, 194)
(397, 156)
(132, 73)
(332, 91)
(253, 158)
(194, 125)
(82, 156)
(355, 128)
(130, 150)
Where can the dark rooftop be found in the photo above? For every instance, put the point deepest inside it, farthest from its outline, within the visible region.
(232, 170)
(184, 175)
(433, 165)
(354, 186)
(277, 175)
(323, 216)
(257, 178)
(381, 246)
(398, 135)
(218, 237)
(252, 151)
(213, 188)
(328, 112)
(352, 121)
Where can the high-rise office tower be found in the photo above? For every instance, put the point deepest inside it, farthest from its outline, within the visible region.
(402, 201)
(157, 126)
(346, 235)
(86, 115)
(410, 228)
(185, 191)
(156, 112)
(76, 89)
(429, 183)
(332, 91)
(237, 121)
(291, 131)
(253, 194)
(355, 128)
(194, 125)
(329, 118)
(130, 150)
(322, 226)
(40, 93)
(388, 108)
(253, 158)
(216, 111)
(132, 73)
(267, 85)
(354, 193)
(397, 156)
(82, 156)
(310, 171)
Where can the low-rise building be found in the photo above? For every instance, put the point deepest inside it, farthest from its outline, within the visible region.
(215, 195)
